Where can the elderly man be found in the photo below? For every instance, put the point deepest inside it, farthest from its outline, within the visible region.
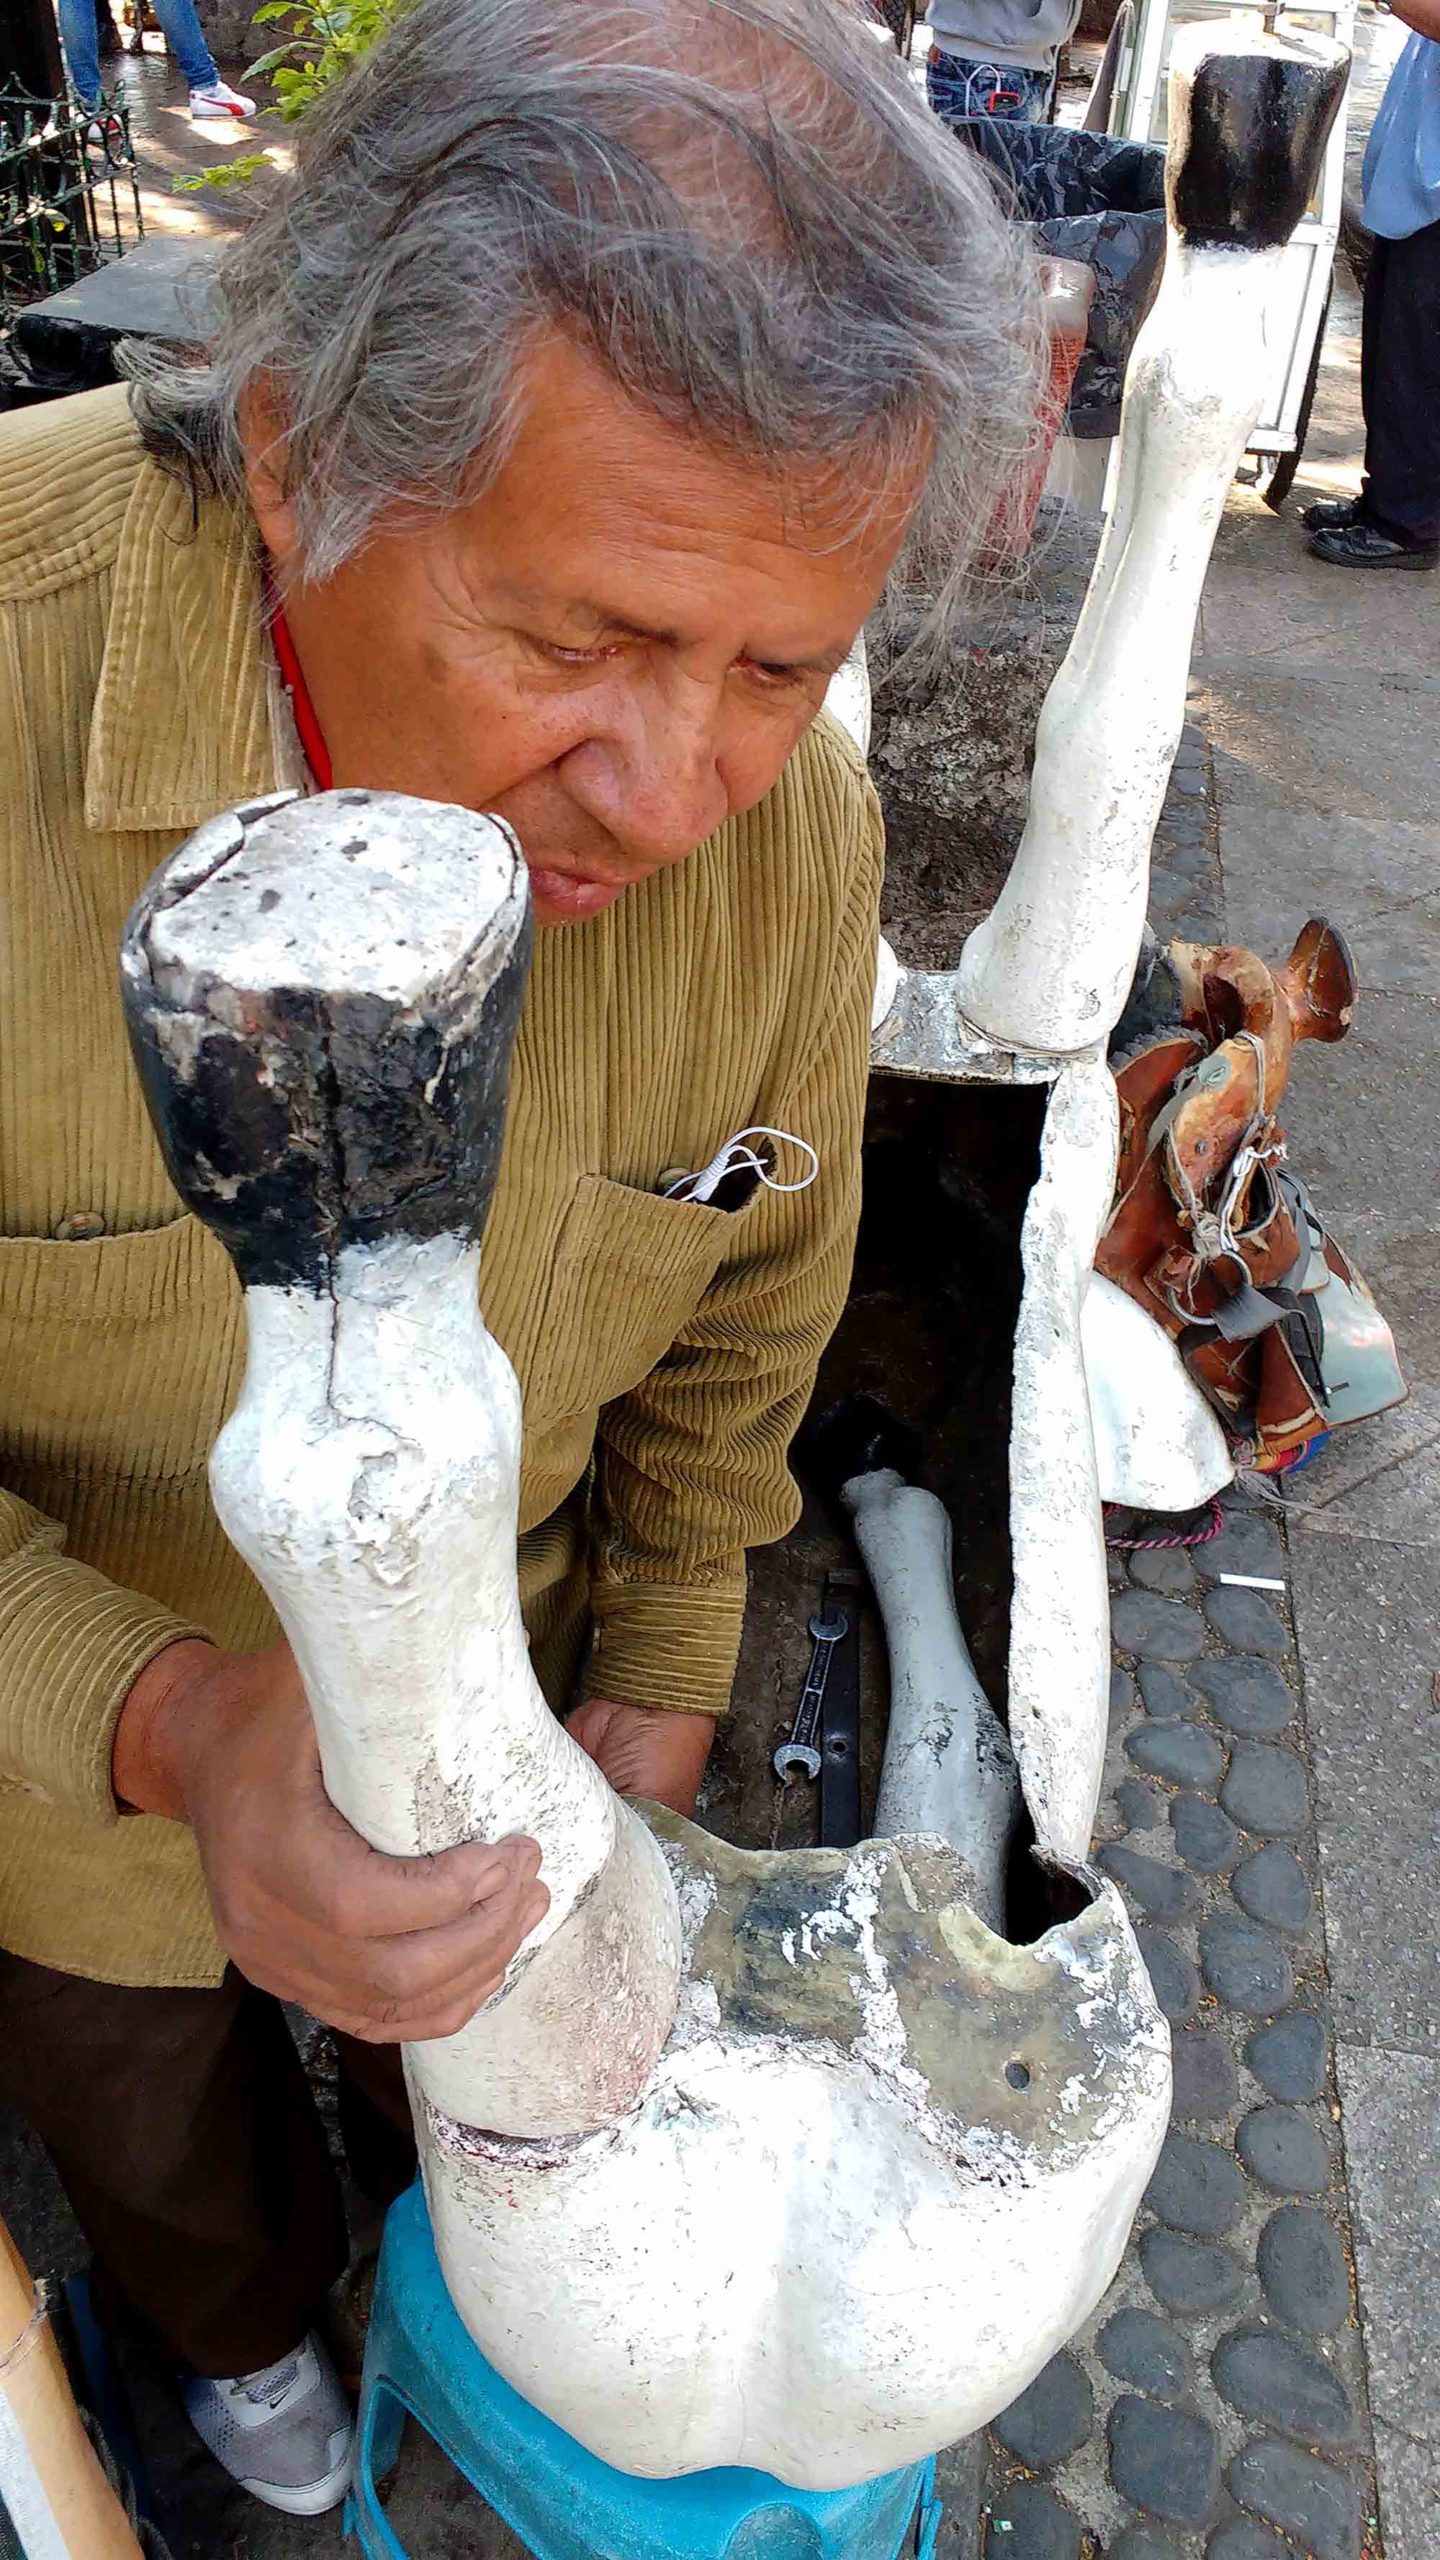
(567, 412)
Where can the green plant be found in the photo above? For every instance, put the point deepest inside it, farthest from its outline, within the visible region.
(326, 38)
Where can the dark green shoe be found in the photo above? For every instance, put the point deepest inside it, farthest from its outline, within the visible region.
(1363, 546)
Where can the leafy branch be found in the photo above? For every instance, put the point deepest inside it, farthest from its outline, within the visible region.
(325, 39)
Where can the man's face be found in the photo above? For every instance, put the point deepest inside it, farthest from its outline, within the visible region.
(616, 648)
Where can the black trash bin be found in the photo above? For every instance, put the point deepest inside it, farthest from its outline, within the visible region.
(1090, 197)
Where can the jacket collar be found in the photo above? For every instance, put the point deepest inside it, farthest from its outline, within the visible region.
(189, 717)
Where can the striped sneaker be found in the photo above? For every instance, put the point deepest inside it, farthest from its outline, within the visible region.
(285, 2433)
(219, 104)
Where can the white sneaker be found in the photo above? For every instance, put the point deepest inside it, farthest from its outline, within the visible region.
(219, 104)
(285, 2433)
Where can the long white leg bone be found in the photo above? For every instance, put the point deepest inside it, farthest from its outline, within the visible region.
(883, 2162)
(1049, 967)
(948, 1766)
(948, 1772)
(325, 1056)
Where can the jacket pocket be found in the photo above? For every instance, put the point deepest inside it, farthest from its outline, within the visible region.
(119, 1356)
(630, 1269)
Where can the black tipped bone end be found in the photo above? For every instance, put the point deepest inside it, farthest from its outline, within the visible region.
(856, 1437)
(1248, 160)
(308, 1091)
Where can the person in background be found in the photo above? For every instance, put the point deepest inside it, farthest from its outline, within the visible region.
(211, 98)
(996, 57)
(1395, 521)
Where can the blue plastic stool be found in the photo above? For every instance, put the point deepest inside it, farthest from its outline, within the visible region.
(557, 2497)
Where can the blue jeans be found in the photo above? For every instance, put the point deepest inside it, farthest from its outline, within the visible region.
(178, 23)
(959, 86)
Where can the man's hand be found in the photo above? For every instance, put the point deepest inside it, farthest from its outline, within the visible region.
(645, 1751)
(384, 1948)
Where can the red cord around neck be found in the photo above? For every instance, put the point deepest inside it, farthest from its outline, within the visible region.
(292, 676)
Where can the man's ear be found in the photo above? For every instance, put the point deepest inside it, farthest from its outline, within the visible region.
(262, 437)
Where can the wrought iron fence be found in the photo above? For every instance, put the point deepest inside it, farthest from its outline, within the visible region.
(69, 195)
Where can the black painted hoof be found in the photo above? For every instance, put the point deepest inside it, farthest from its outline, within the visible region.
(322, 996)
(1246, 149)
(856, 1437)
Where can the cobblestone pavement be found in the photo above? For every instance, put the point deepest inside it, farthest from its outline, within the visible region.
(1216, 2403)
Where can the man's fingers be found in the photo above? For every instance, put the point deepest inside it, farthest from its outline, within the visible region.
(589, 1723)
(410, 1988)
(362, 1893)
(420, 1970)
(426, 2026)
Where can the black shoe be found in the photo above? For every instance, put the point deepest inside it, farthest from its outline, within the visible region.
(1363, 546)
(1328, 514)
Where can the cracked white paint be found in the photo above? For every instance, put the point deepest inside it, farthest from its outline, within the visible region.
(1158, 1443)
(868, 2272)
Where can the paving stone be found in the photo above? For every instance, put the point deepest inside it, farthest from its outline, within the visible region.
(1140, 2348)
(1392, 2109)
(1139, 1804)
(1163, 1893)
(1165, 1569)
(1122, 1692)
(1205, 1837)
(1184, 1753)
(1026, 2523)
(1245, 1966)
(1282, 2149)
(1115, 1573)
(1246, 1620)
(1163, 1694)
(1264, 1789)
(1276, 2382)
(1246, 1544)
(1206, 2081)
(1246, 1697)
(1306, 2498)
(1288, 2056)
(1303, 2271)
(1273, 1887)
(1050, 2419)
(1141, 2542)
(1246, 2540)
(1155, 1630)
(1196, 2187)
(1190, 2276)
(1164, 2461)
(1173, 1978)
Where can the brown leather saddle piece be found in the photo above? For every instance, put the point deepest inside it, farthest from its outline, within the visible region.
(1212, 1231)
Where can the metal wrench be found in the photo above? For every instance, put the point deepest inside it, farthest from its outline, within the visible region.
(802, 1750)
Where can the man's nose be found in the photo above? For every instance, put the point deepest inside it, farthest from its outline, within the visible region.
(653, 779)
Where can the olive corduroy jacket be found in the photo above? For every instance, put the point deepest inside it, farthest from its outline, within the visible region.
(665, 1349)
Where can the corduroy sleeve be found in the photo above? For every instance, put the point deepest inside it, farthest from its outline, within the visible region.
(691, 1465)
(71, 1644)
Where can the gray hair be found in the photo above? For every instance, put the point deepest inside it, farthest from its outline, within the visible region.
(741, 207)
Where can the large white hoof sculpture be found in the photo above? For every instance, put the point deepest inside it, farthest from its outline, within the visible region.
(823, 2195)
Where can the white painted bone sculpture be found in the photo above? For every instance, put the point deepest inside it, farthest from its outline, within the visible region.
(775, 2159)
(785, 2160)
